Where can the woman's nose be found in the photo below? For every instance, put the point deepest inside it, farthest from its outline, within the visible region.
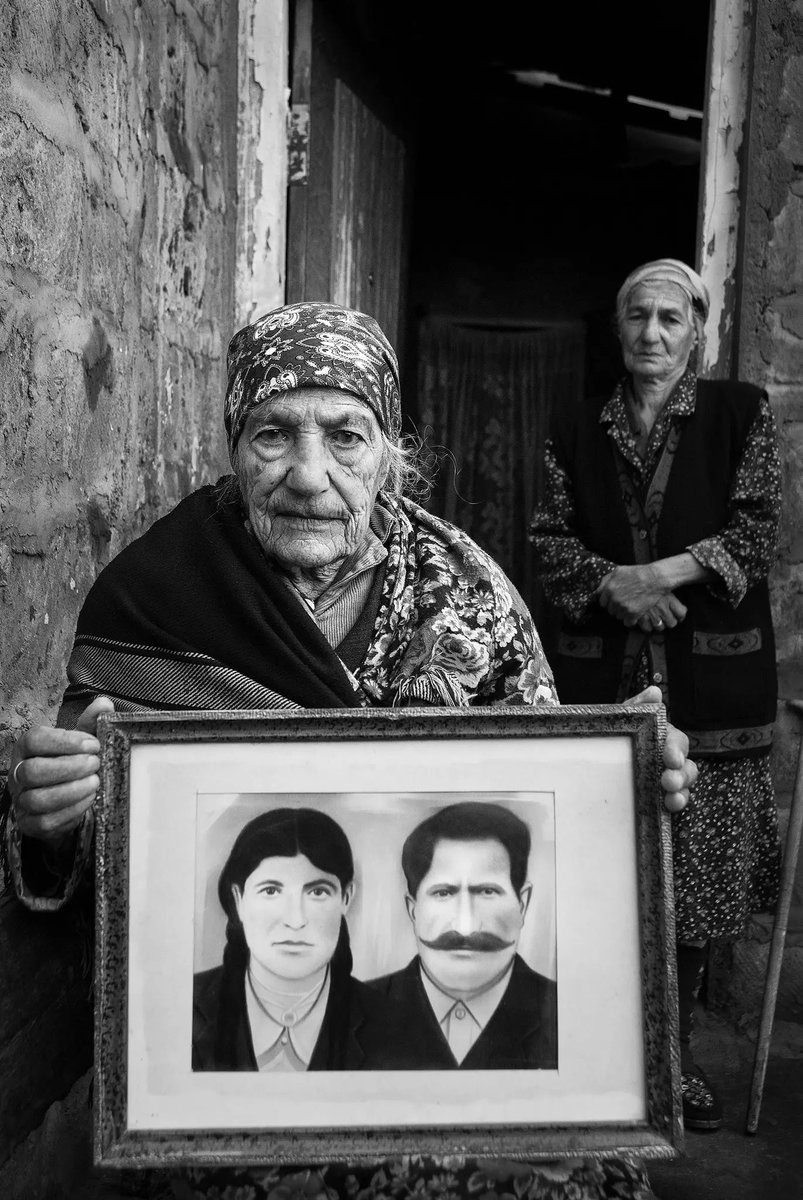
(308, 471)
(650, 329)
(294, 915)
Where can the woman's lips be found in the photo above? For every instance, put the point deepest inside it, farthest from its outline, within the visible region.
(300, 518)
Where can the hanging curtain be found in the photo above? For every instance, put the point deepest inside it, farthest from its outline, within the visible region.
(485, 395)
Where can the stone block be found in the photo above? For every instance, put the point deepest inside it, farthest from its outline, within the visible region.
(109, 241)
(203, 20)
(748, 976)
(41, 203)
(795, 923)
(795, 542)
(786, 750)
(781, 352)
(761, 928)
(55, 388)
(33, 34)
(787, 404)
(790, 676)
(790, 314)
(44, 597)
(782, 261)
(787, 601)
(791, 145)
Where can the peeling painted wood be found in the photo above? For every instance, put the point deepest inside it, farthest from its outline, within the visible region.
(298, 145)
(262, 118)
(725, 123)
(347, 226)
(368, 203)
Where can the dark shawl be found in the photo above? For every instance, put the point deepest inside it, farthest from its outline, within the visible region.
(192, 615)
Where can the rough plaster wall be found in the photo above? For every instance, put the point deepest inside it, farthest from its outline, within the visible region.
(770, 352)
(771, 327)
(117, 231)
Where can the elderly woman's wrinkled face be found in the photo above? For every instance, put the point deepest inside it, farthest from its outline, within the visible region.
(310, 465)
(657, 332)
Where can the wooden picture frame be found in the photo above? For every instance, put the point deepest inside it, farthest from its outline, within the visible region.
(593, 922)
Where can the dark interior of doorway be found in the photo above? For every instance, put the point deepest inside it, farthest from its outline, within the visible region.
(554, 147)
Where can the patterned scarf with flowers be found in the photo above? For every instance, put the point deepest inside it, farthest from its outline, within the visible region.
(451, 628)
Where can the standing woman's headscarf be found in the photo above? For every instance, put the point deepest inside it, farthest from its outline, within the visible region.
(312, 344)
(667, 270)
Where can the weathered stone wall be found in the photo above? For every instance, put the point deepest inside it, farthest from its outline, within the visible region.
(770, 352)
(118, 207)
(142, 197)
(117, 260)
(770, 335)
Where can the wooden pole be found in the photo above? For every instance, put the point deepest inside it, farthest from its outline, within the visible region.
(791, 851)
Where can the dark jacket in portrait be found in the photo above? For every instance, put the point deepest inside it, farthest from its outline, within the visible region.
(522, 1031)
(361, 1029)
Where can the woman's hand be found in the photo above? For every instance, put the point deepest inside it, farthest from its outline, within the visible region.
(680, 772)
(630, 592)
(666, 614)
(645, 595)
(53, 778)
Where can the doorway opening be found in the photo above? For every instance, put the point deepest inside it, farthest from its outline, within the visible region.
(549, 149)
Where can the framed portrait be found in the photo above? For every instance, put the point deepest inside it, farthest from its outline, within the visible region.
(347, 935)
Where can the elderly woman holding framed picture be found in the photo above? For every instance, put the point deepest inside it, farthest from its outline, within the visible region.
(307, 578)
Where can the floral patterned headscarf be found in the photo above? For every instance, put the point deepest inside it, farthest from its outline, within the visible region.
(312, 344)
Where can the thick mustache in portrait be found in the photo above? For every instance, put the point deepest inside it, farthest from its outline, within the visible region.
(332, 936)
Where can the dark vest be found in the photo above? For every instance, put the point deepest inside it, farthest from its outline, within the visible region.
(719, 673)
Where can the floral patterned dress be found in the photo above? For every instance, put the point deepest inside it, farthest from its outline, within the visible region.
(417, 1178)
(725, 843)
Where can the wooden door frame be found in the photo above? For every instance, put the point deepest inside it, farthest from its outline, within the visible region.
(262, 99)
(267, 234)
(725, 178)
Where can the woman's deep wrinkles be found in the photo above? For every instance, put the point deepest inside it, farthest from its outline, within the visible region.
(657, 333)
(310, 468)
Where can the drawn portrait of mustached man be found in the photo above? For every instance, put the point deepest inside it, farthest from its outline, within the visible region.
(470, 1000)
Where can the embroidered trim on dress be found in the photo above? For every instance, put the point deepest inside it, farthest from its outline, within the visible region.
(746, 642)
(577, 646)
(729, 741)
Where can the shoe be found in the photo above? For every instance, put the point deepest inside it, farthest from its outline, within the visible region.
(701, 1106)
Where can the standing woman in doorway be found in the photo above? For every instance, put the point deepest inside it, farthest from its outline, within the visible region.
(655, 538)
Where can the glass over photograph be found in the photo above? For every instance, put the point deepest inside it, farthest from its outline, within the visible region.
(373, 931)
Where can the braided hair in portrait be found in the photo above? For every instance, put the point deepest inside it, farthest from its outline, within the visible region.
(283, 833)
